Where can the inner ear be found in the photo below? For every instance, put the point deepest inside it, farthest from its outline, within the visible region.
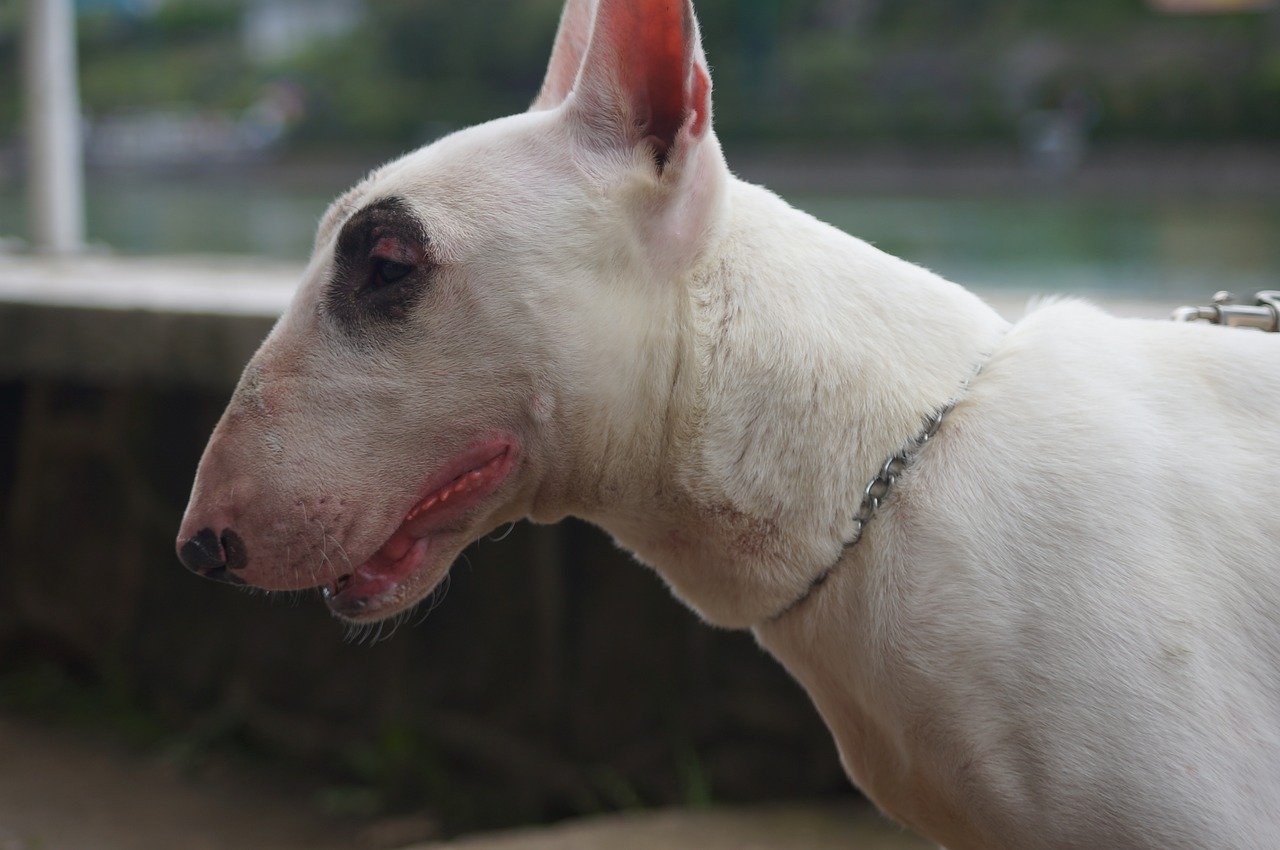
(643, 78)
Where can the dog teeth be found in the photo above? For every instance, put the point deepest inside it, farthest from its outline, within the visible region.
(423, 508)
(464, 482)
(328, 591)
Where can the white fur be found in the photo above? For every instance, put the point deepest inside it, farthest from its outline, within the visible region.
(1062, 629)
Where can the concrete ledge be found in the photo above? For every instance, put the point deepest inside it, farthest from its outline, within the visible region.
(111, 320)
(118, 347)
(231, 286)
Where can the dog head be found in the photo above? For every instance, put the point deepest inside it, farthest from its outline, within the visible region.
(473, 315)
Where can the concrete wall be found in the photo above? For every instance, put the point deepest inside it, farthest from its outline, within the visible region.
(554, 677)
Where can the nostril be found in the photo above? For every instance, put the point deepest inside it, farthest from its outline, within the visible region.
(202, 552)
(214, 557)
(236, 556)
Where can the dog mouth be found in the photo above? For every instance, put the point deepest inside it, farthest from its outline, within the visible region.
(418, 554)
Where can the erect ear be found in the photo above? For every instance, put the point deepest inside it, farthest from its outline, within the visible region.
(644, 79)
(566, 56)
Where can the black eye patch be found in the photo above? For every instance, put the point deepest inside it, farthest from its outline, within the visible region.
(382, 267)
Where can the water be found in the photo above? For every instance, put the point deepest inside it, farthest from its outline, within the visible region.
(230, 214)
(1172, 249)
(1133, 247)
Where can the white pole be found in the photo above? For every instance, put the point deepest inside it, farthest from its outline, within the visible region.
(55, 182)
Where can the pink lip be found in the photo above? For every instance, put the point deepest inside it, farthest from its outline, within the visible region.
(396, 571)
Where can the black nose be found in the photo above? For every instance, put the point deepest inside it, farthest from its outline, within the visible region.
(212, 557)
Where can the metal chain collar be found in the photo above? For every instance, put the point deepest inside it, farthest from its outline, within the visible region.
(1263, 315)
(877, 490)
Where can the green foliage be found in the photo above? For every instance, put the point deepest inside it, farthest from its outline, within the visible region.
(198, 20)
(414, 69)
(397, 769)
(796, 72)
(695, 783)
(187, 54)
(49, 691)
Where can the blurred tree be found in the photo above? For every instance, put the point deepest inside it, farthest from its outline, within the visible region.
(807, 72)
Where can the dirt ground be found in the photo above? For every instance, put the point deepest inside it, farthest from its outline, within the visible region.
(62, 791)
(792, 827)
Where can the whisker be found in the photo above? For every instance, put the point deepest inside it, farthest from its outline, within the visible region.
(343, 552)
(498, 538)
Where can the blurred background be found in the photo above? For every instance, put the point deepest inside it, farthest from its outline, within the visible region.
(1127, 150)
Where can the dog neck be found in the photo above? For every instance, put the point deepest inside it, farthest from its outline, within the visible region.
(799, 361)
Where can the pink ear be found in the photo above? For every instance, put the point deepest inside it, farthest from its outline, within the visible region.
(566, 57)
(644, 78)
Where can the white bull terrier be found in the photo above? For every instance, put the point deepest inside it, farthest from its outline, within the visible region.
(1061, 628)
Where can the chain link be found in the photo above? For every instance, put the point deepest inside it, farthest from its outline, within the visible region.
(877, 489)
(1263, 314)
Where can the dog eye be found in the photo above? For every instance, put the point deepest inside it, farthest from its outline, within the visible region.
(388, 271)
